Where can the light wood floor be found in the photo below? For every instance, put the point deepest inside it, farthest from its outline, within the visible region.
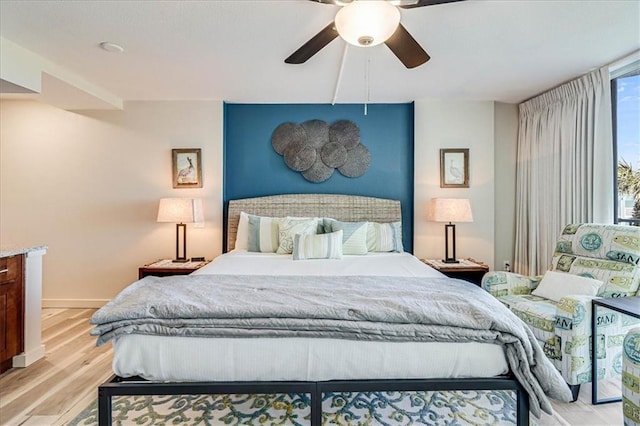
(55, 389)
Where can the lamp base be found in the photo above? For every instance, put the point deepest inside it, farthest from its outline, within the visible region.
(450, 256)
(180, 260)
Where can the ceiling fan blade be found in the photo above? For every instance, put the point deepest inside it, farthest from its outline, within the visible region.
(314, 45)
(421, 3)
(405, 4)
(406, 48)
(329, 2)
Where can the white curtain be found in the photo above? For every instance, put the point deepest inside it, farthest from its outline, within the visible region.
(564, 171)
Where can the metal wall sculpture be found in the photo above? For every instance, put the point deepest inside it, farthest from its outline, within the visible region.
(315, 149)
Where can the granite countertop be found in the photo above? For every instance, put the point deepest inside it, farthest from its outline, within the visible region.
(6, 251)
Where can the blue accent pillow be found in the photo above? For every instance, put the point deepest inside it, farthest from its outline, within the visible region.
(354, 235)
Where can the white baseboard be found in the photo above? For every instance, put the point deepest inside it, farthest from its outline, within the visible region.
(74, 303)
(27, 358)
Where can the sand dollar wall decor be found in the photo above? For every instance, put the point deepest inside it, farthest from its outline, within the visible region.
(315, 149)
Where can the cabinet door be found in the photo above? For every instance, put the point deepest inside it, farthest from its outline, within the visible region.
(11, 310)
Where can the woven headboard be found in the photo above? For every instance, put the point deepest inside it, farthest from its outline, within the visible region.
(348, 208)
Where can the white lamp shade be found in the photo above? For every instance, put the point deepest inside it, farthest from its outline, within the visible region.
(449, 210)
(367, 23)
(180, 210)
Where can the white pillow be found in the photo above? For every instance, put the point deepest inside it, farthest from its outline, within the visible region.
(318, 246)
(288, 227)
(555, 285)
(383, 237)
(242, 235)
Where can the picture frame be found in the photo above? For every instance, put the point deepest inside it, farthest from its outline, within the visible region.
(186, 166)
(454, 168)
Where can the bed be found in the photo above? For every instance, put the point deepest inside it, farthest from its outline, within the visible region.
(297, 359)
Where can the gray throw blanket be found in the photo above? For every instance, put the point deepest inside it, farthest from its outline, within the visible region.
(396, 309)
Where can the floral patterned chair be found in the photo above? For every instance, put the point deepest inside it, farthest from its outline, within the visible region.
(608, 253)
(631, 378)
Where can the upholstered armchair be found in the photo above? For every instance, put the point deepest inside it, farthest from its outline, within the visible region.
(607, 253)
(631, 378)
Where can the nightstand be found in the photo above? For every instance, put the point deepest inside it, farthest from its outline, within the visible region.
(165, 267)
(468, 269)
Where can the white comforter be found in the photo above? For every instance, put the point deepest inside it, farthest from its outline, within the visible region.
(252, 359)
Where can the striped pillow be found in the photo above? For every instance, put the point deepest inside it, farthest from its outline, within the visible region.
(319, 246)
(242, 235)
(354, 235)
(289, 227)
(384, 237)
(262, 235)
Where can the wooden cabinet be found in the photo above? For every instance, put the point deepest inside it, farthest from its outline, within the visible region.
(11, 309)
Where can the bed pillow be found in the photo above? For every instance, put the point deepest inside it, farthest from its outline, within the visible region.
(354, 235)
(262, 234)
(384, 237)
(318, 246)
(556, 285)
(290, 226)
(242, 233)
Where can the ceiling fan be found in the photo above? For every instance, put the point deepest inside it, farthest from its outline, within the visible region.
(369, 23)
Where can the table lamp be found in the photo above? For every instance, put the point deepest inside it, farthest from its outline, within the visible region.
(180, 211)
(449, 210)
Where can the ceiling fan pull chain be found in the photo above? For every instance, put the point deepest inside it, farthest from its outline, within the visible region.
(367, 62)
(344, 56)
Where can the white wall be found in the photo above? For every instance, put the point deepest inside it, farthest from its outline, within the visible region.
(506, 137)
(87, 185)
(455, 124)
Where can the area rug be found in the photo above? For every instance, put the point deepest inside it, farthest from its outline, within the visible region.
(346, 408)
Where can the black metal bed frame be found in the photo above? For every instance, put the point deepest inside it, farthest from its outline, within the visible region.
(117, 386)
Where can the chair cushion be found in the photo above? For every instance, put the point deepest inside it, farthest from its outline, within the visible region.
(609, 253)
(556, 285)
(614, 242)
(631, 377)
(620, 279)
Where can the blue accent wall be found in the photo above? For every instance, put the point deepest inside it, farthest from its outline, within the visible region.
(253, 169)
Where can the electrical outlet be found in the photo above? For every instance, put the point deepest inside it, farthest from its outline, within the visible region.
(507, 266)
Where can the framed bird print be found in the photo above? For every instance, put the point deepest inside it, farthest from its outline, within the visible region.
(187, 168)
(454, 168)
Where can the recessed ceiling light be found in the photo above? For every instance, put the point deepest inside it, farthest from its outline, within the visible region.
(111, 47)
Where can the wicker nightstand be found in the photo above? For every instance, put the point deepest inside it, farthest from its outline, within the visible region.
(468, 269)
(165, 267)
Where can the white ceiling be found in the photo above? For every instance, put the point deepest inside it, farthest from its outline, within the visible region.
(234, 50)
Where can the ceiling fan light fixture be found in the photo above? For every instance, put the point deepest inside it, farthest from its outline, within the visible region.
(367, 23)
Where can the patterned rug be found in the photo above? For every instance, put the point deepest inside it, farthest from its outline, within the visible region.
(346, 408)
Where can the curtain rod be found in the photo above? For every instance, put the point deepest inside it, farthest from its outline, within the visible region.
(625, 60)
(617, 64)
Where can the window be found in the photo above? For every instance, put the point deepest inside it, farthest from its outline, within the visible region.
(625, 100)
